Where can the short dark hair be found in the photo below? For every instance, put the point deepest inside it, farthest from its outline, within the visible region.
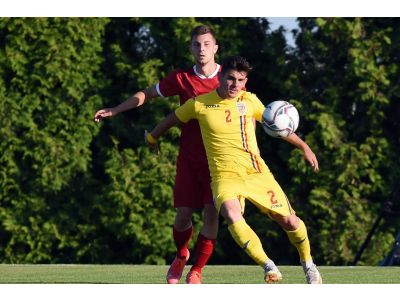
(200, 30)
(236, 63)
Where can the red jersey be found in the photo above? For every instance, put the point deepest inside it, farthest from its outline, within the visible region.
(188, 84)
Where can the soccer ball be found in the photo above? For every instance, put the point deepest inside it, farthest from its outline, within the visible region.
(280, 119)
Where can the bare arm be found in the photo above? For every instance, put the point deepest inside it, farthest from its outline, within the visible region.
(170, 121)
(136, 100)
(307, 152)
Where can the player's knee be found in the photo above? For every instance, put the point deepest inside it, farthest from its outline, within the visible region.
(210, 212)
(183, 218)
(289, 223)
(231, 213)
(292, 223)
(182, 223)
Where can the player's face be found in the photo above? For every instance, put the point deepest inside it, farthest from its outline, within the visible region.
(231, 83)
(203, 48)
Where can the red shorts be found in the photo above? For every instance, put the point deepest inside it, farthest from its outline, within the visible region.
(192, 184)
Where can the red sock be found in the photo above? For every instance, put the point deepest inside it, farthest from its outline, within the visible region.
(182, 239)
(204, 249)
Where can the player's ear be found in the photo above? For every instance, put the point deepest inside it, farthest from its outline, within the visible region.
(215, 48)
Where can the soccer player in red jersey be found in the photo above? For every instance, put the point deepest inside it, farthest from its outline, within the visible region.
(192, 184)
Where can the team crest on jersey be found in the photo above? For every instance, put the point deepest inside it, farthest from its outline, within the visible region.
(241, 107)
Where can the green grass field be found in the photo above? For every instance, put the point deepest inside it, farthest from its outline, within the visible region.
(144, 274)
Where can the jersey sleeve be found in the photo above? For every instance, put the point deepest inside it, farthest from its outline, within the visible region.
(187, 111)
(169, 86)
(258, 108)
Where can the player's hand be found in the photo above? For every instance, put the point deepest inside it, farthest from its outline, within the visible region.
(104, 113)
(155, 146)
(312, 159)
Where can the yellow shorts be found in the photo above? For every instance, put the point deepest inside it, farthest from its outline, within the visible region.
(259, 188)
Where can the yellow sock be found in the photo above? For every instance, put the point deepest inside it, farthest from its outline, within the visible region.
(248, 240)
(300, 240)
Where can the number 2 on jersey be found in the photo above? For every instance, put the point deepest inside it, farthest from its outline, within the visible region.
(272, 197)
(228, 112)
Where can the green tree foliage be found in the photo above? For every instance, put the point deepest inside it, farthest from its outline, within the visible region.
(75, 191)
(50, 82)
(345, 82)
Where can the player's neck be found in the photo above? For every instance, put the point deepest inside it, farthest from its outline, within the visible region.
(221, 94)
(206, 70)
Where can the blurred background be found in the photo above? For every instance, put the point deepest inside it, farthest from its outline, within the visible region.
(76, 191)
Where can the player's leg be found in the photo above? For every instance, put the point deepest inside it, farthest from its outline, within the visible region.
(207, 236)
(183, 229)
(182, 233)
(270, 198)
(241, 232)
(297, 233)
(210, 217)
(248, 240)
(204, 245)
(227, 201)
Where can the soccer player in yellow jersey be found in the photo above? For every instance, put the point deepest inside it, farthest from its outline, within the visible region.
(237, 170)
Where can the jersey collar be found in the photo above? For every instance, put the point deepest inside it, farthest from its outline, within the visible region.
(209, 77)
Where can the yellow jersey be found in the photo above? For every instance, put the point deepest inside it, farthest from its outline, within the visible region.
(228, 132)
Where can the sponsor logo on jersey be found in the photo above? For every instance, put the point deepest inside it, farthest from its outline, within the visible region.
(241, 107)
(276, 206)
(212, 106)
